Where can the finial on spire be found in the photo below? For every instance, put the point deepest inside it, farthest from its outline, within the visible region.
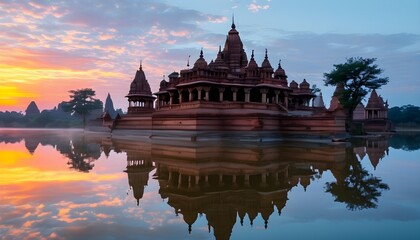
(201, 53)
(188, 61)
(233, 21)
(252, 54)
(266, 56)
(220, 48)
(279, 63)
(140, 68)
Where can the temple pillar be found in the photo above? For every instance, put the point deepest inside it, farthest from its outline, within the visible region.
(264, 179)
(180, 96)
(234, 91)
(171, 98)
(263, 92)
(197, 178)
(220, 179)
(207, 90)
(190, 95)
(206, 180)
(179, 180)
(199, 92)
(221, 91)
(276, 100)
(246, 179)
(170, 177)
(189, 182)
(286, 102)
(247, 92)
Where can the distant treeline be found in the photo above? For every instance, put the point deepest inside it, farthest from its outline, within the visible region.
(405, 116)
(55, 118)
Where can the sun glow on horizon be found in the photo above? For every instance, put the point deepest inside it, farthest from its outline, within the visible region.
(21, 85)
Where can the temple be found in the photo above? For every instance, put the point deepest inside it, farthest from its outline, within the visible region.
(374, 116)
(230, 93)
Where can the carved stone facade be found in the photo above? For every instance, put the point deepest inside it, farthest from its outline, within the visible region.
(227, 94)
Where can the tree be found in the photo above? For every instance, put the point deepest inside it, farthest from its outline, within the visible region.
(82, 103)
(315, 89)
(358, 76)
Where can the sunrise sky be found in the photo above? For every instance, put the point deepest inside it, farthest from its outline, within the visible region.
(50, 47)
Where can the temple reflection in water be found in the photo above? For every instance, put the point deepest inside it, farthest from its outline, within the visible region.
(226, 180)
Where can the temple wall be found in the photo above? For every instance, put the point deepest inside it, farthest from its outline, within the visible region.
(216, 123)
(313, 124)
(139, 122)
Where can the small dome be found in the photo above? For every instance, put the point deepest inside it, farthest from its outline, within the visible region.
(293, 84)
(219, 63)
(252, 63)
(201, 62)
(304, 84)
(279, 71)
(163, 84)
(173, 75)
(266, 63)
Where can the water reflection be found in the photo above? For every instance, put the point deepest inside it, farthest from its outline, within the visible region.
(229, 184)
(80, 150)
(355, 186)
(223, 180)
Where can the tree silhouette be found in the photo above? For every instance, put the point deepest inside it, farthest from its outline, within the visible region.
(82, 103)
(359, 190)
(358, 76)
(82, 154)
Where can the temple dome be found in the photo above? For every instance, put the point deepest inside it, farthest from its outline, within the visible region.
(252, 63)
(279, 73)
(201, 62)
(163, 84)
(140, 85)
(304, 84)
(375, 101)
(266, 63)
(219, 63)
(293, 84)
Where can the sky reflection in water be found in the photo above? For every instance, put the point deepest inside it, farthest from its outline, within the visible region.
(63, 185)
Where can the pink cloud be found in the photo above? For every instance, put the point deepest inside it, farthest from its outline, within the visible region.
(254, 7)
(44, 59)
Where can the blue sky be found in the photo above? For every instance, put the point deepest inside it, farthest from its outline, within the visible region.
(64, 45)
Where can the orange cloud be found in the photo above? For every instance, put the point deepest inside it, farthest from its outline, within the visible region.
(26, 74)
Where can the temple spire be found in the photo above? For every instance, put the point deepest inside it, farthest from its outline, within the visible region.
(233, 21)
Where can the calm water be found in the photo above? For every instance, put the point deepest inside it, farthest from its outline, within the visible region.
(64, 185)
